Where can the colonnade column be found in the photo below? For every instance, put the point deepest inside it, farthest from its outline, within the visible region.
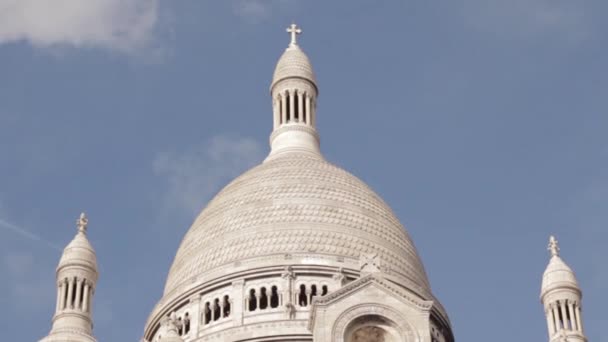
(59, 296)
(302, 115)
(550, 320)
(307, 111)
(283, 109)
(572, 319)
(579, 321)
(276, 114)
(292, 105)
(564, 315)
(85, 299)
(556, 317)
(70, 304)
(77, 303)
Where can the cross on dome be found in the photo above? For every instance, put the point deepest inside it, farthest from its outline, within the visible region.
(553, 246)
(294, 30)
(82, 223)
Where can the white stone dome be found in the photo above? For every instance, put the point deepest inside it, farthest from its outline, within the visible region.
(78, 252)
(294, 63)
(558, 275)
(296, 203)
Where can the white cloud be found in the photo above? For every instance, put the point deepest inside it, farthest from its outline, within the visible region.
(258, 10)
(529, 18)
(123, 25)
(195, 175)
(252, 9)
(24, 233)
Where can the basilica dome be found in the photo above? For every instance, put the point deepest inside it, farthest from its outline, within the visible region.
(292, 240)
(296, 204)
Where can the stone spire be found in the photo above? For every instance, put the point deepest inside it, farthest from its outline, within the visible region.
(294, 97)
(76, 280)
(561, 297)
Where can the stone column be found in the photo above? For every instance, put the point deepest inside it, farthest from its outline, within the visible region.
(222, 306)
(70, 304)
(77, 303)
(238, 297)
(283, 108)
(64, 289)
(313, 112)
(564, 314)
(307, 110)
(91, 293)
(550, 321)
(573, 325)
(556, 317)
(292, 104)
(59, 295)
(300, 99)
(195, 314)
(85, 299)
(579, 321)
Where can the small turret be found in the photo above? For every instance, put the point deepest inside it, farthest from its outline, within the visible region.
(76, 280)
(294, 97)
(561, 297)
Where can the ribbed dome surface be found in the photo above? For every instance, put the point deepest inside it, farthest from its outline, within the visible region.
(557, 275)
(293, 63)
(295, 203)
(79, 252)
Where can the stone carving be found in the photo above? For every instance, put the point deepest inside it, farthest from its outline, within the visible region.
(369, 334)
(340, 277)
(369, 263)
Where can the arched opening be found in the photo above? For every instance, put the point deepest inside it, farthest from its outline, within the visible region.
(313, 292)
(207, 313)
(324, 290)
(226, 306)
(186, 323)
(180, 326)
(274, 297)
(263, 299)
(371, 328)
(296, 107)
(216, 309)
(80, 303)
(288, 107)
(302, 299)
(252, 300)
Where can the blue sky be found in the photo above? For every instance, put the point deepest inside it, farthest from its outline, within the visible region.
(481, 122)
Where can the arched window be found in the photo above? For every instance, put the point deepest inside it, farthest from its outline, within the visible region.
(263, 299)
(252, 300)
(288, 106)
(207, 313)
(296, 107)
(180, 326)
(216, 309)
(274, 297)
(302, 299)
(186, 323)
(226, 306)
(73, 299)
(324, 290)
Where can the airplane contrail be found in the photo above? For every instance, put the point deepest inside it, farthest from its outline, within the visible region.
(28, 235)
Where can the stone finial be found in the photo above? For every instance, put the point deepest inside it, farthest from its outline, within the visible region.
(294, 30)
(553, 246)
(82, 223)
